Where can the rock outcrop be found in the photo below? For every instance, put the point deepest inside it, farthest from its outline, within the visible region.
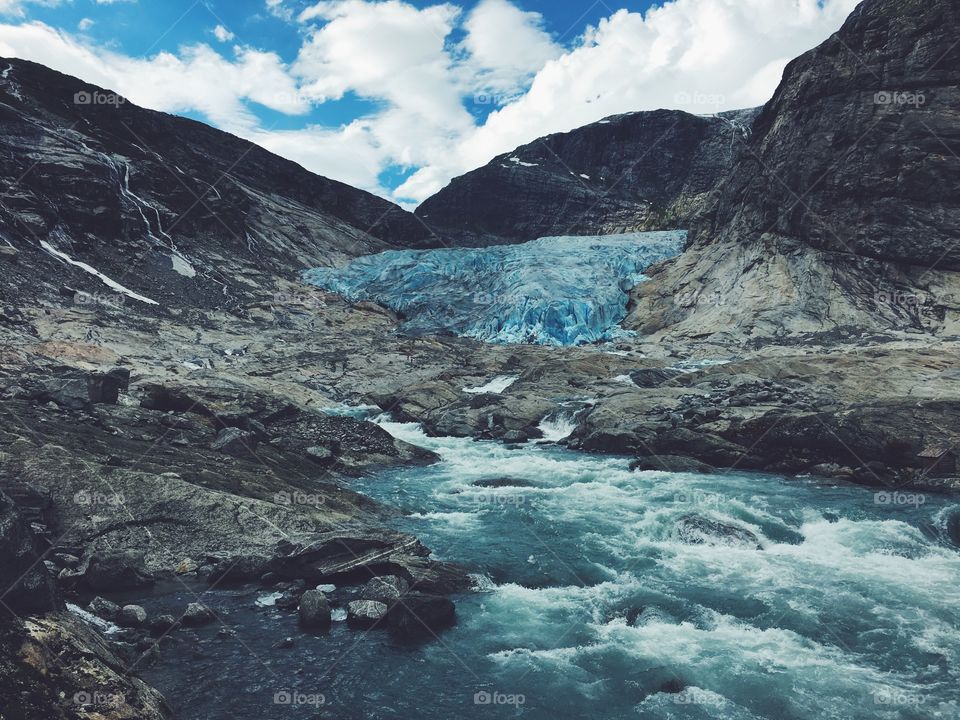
(842, 209)
(638, 171)
(112, 203)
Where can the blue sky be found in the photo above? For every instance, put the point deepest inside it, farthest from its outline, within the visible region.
(398, 96)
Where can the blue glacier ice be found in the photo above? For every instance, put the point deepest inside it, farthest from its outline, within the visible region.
(552, 291)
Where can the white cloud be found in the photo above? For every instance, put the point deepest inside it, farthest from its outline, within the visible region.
(198, 79)
(222, 34)
(698, 55)
(85, 24)
(505, 46)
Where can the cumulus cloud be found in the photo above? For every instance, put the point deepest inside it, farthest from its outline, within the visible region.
(702, 56)
(85, 24)
(222, 34)
(198, 79)
(422, 67)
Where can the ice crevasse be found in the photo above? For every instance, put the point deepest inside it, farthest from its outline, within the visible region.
(565, 290)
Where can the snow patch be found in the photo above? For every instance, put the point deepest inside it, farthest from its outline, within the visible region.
(518, 161)
(99, 275)
(495, 386)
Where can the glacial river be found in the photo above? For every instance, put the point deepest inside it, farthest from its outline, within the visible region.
(615, 594)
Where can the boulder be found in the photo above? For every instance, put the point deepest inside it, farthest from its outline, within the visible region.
(105, 387)
(365, 613)
(700, 530)
(116, 570)
(162, 624)
(670, 463)
(314, 612)
(103, 608)
(132, 616)
(239, 569)
(198, 614)
(420, 616)
(386, 588)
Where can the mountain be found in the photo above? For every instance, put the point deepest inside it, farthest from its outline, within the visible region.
(841, 212)
(167, 208)
(638, 171)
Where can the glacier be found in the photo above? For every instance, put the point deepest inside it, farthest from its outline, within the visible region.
(566, 290)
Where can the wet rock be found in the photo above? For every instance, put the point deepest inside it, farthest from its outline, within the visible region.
(421, 616)
(239, 569)
(365, 613)
(103, 608)
(502, 483)
(700, 530)
(131, 616)
(198, 614)
(670, 463)
(116, 570)
(285, 644)
(314, 612)
(162, 624)
(319, 454)
(385, 588)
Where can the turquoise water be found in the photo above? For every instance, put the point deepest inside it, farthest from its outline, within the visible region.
(595, 600)
(599, 601)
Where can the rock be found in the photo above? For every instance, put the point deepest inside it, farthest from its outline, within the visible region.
(198, 614)
(619, 185)
(162, 624)
(654, 377)
(66, 560)
(236, 442)
(421, 616)
(27, 585)
(131, 616)
(319, 454)
(171, 399)
(385, 588)
(670, 463)
(239, 569)
(105, 387)
(314, 612)
(285, 644)
(502, 483)
(103, 608)
(699, 530)
(365, 613)
(116, 570)
(514, 436)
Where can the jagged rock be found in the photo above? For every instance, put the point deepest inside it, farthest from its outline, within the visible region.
(699, 530)
(171, 399)
(618, 185)
(103, 608)
(314, 612)
(25, 583)
(162, 624)
(120, 570)
(236, 442)
(365, 613)
(670, 463)
(198, 614)
(239, 569)
(131, 616)
(385, 588)
(420, 616)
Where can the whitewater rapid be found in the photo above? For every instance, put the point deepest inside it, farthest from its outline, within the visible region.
(597, 604)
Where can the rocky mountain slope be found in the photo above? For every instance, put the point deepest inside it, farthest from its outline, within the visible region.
(842, 209)
(638, 171)
(111, 199)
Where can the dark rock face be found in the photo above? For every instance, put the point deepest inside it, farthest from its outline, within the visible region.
(857, 150)
(639, 171)
(25, 584)
(841, 213)
(419, 617)
(174, 210)
(314, 613)
(112, 571)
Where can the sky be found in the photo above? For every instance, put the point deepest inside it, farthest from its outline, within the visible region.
(399, 96)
